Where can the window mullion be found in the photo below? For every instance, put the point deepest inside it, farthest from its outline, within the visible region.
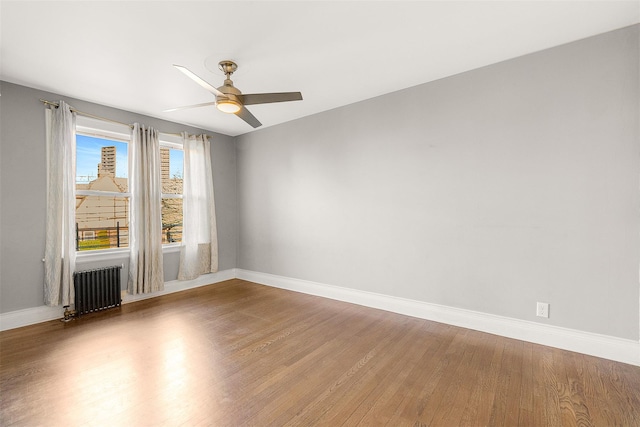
(171, 196)
(101, 193)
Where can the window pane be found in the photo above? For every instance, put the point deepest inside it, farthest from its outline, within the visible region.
(102, 222)
(171, 220)
(172, 166)
(101, 164)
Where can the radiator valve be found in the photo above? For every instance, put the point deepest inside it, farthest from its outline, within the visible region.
(68, 314)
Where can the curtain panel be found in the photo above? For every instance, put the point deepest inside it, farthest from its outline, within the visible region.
(145, 223)
(60, 250)
(199, 252)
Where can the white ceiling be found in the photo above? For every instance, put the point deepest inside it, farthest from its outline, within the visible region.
(120, 54)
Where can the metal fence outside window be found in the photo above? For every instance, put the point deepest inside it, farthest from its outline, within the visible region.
(95, 238)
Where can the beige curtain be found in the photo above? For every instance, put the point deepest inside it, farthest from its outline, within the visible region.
(199, 252)
(145, 223)
(60, 250)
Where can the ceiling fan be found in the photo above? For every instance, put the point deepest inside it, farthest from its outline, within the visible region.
(230, 100)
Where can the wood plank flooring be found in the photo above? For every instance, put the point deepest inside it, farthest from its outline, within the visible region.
(237, 353)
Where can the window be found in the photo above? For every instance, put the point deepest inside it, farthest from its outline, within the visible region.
(102, 190)
(172, 170)
(102, 186)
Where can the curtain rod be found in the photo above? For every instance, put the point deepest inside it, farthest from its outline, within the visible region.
(82, 113)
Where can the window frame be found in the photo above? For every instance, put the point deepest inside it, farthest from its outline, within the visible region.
(88, 126)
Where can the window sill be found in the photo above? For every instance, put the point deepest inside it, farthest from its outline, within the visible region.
(171, 248)
(103, 255)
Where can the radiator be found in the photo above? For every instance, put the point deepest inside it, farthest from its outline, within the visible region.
(97, 289)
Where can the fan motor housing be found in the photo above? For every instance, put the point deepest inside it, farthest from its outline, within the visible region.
(229, 89)
(230, 92)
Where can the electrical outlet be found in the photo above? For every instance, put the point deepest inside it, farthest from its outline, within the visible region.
(542, 309)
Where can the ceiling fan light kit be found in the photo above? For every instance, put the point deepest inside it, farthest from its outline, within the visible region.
(230, 100)
(228, 106)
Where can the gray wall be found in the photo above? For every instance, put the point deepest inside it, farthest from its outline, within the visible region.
(489, 190)
(23, 186)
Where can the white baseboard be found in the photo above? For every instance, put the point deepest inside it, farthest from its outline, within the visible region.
(608, 347)
(30, 316)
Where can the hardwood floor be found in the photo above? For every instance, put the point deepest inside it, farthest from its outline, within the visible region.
(237, 353)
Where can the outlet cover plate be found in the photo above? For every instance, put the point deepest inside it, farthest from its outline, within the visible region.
(542, 309)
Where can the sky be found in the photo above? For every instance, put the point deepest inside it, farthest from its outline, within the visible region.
(88, 153)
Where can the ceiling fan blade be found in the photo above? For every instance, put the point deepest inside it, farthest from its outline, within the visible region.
(266, 98)
(198, 80)
(206, 104)
(246, 115)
